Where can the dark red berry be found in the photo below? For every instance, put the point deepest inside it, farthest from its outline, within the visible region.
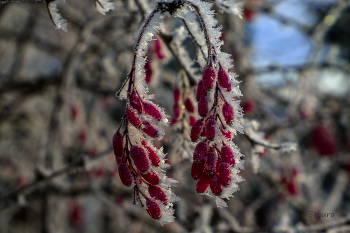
(132, 117)
(227, 155)
(140, 159)
(149, 129)
(208, 78)
(197, 170)
(224, 81)
(196, 130)
(177, 110)
(210, 162)
(135, 102)
(224, 173)
(192, 120)
(215, 185)
(189, 105)
(118, 142)
(152, 155)
(210, 128)
(203, 107)
(151, 177)
(227, 134)
(228, 113)
(177, 95)
(157, 193)
(148, 71)
(124, 174)
(199, 152)
(151, 110)
(203, 183)
(200, 90)
(153, 209)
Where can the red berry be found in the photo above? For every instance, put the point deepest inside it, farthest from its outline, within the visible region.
(203, 183)
(74, 112)
(324, 140)
(135, 102)
(224, 173)
(224, 81)
(151, 177)
(77, 215)
(149, 129)
(125, 175)
(203, 107)
(177, 95)
(210, 162)
(148, 71)
(199, 152)
(118, 144)
(200, 90)
(227, 112)
(227, 134)
(227, 155)
(153, 209)
(249, 107)
(208, 78)
(197, 170)
(292, 188)
(132, 117)
(140, 159)
(152, 156)
(189, 105)
(157, 193)
(192, 120)
(158, 49)
(177, 110)
(215, 185)
(210, 128)
(151, 110)
(196, 130)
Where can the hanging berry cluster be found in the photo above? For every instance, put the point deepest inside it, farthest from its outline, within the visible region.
(216, 158)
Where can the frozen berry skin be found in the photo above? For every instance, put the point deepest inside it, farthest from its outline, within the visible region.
(197, 170)
(200, 152)
(177, 110)
(177, 95)
(203, 107)
(135, 102)
(189, 105)
(153, 209)
(151, 177)
(228, 113)
(192, 120)
(151, 110)
(133, 118)
(157, 193)
(227, 155)
(125, 175)
(152, 155)
(203, 183)
(228, 134)
(118, 142)
(223, 80)
(149, 129)
(196, 130)
(200, 90)
(210, 128)
(210, 162)
(208, 78)
(215, 185)
(224, 173)
(140, 159)
(148, 71)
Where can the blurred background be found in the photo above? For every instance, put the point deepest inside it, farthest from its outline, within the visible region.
(58, 114)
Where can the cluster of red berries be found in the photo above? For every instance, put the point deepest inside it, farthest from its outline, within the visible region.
(213, 158)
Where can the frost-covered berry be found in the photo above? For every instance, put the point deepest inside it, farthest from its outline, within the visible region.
(210, 128)
(210, 162)
(177, 95)
(118, 144)
(136, 102)
(151, 110)
(151, 177)
(196, 130)
(125, 175)
(153, 209)
(203, 183)
(149, 129)
(157, 193)
(199, 152)
(192, 120)
(140, 159)
(228, 134)
(148, 71)
(197, 170)
(224, 173)
(227, 155)
(203, 107)
(151, 154)
(223, 80)
(200, 90)
(177, 110)
(189, 105)
(215, 185)
(132, 117)
(227, 112)
(208, 78)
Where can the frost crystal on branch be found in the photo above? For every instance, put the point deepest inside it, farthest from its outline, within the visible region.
(55, 16)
